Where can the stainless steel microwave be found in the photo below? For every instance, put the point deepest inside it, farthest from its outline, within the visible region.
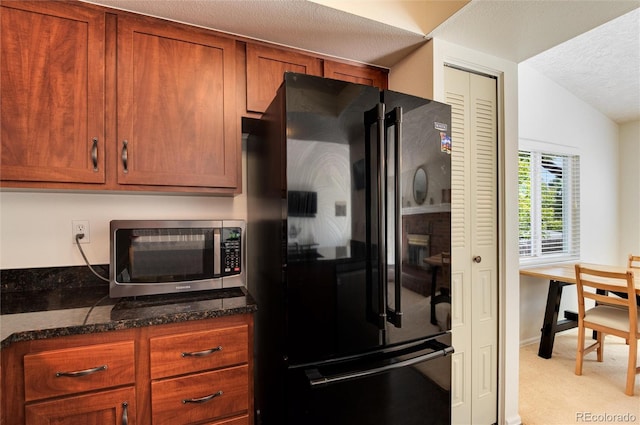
(170, 256)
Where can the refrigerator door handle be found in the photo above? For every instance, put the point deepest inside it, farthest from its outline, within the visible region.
(316, 378)
(377, 116)
(394, 119)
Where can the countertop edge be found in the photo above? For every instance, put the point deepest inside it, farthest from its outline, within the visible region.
(116, 325)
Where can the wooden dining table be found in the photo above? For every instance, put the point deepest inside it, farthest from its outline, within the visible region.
(559, 276)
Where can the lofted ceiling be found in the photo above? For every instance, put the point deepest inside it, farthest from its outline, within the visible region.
(590, 47)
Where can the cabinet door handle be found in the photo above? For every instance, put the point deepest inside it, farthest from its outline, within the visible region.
(94, 154)
(203, 352)
(125, 413)
(125, 156)
(80, 373)
(202, 399)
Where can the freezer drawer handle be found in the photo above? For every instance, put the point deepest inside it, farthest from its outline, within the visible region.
(317, 379)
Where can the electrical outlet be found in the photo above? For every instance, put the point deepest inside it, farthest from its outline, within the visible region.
(80, 227)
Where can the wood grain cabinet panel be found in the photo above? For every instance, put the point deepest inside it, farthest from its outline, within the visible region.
(177, 120)
(243, 420)
(52, 92)
(265, 69)
(115, 407)
(196, 351)
(193, 398)
(360, 74)
(73, 370)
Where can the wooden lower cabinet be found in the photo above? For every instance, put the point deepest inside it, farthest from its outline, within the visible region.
(105, 407)
(194, 372)
(193, 398)
(243, 420)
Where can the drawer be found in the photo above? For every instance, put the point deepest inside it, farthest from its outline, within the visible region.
(197, 351)
(73, 370)
(200, 397)
(242, 420)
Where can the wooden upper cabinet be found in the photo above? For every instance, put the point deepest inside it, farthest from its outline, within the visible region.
(52, 92)
(265, 70)
(361, 74)
(177, 119)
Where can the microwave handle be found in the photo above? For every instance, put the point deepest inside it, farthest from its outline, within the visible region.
(217, 259)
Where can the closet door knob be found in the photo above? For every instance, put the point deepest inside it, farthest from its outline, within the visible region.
(477, 259)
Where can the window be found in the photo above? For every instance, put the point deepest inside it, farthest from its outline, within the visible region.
(549, 206)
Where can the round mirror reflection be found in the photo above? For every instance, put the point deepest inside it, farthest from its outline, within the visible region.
(420, 186)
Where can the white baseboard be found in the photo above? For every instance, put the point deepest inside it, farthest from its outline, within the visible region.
(514, 420)
(533, 340)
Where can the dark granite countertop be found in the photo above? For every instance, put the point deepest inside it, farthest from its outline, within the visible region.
(52, 302)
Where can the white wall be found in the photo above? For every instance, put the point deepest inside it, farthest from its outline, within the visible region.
(507, 74)
(554, 119)
(629, 231)
(35, 227)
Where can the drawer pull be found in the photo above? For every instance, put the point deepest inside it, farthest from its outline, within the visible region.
(203, 353)
(80, 373)
(202, 399)
(125, 156)
(125, 413)
(94, 154)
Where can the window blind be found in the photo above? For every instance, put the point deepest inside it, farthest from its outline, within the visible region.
(549, 206)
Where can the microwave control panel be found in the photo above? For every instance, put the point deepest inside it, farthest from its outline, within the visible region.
(231, 251)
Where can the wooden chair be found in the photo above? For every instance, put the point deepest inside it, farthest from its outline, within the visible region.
(634, 263)
(612, 315)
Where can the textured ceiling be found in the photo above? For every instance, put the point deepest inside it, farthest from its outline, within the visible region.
(604, 67)
(297, 23)
(591, 48)
(600, 63)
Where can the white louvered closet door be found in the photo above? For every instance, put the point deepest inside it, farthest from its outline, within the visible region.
(474, 246)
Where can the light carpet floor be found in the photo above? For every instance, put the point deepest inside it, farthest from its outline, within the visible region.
(551, 393)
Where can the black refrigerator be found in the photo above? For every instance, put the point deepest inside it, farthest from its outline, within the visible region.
(349, 240)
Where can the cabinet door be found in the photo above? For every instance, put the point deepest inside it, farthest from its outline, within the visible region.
(115, 407)
(177, 123)
(265, 69)
(52, 92)
(360, 74)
